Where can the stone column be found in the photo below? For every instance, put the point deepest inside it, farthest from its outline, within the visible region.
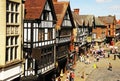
(2, 31)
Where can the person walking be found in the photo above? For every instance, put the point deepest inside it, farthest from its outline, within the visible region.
(59, 79)
(68, 75)
(114, 56)
(97, 58)
(66, 79)
(83, 75)
(72, 76)
(110, 67)
(108, 54)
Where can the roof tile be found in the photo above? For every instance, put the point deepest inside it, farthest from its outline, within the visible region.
(83, 19)
(107, 19)
(34, 8)
(60, 9)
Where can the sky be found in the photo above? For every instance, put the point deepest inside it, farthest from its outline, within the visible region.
(97, 7)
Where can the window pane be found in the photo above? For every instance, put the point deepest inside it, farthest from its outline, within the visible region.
(8, 30)
(12, 30)
(16, 52)
(12, 17)
(16, 7)
(7, 18)
(12, 7)
(11, 54)
(16, 30)
(41, 35)
(7, 6)
(7, 54)
(16, 40)
(12, 40)
(16, 18)
(7, 41)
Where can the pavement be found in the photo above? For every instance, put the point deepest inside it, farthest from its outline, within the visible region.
(79, 68)
(97, 74)
(103, 74)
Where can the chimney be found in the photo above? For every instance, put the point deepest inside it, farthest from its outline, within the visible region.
(76, 11)
(54, 0)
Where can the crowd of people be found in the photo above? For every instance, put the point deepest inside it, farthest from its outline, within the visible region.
(98, 53)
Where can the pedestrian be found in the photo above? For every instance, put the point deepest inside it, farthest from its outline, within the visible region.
(68, 75)
(97, 58)
(80, 58)
(82, 75)
(66, 79)
(59, 79)
(72, 76)
(53, 79)
(114, 56)
(110, 67)
(108, 55)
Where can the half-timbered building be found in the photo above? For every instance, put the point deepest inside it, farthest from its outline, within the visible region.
(39, 37)
(64, 29)
(84, 25)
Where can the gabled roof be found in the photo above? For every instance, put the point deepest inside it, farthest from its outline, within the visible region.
(98, 22)
(107, 19)
(34, 9)
(86, 20)
(60, 10)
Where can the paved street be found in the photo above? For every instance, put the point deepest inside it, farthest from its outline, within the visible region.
(102, 74)
(97, 74)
